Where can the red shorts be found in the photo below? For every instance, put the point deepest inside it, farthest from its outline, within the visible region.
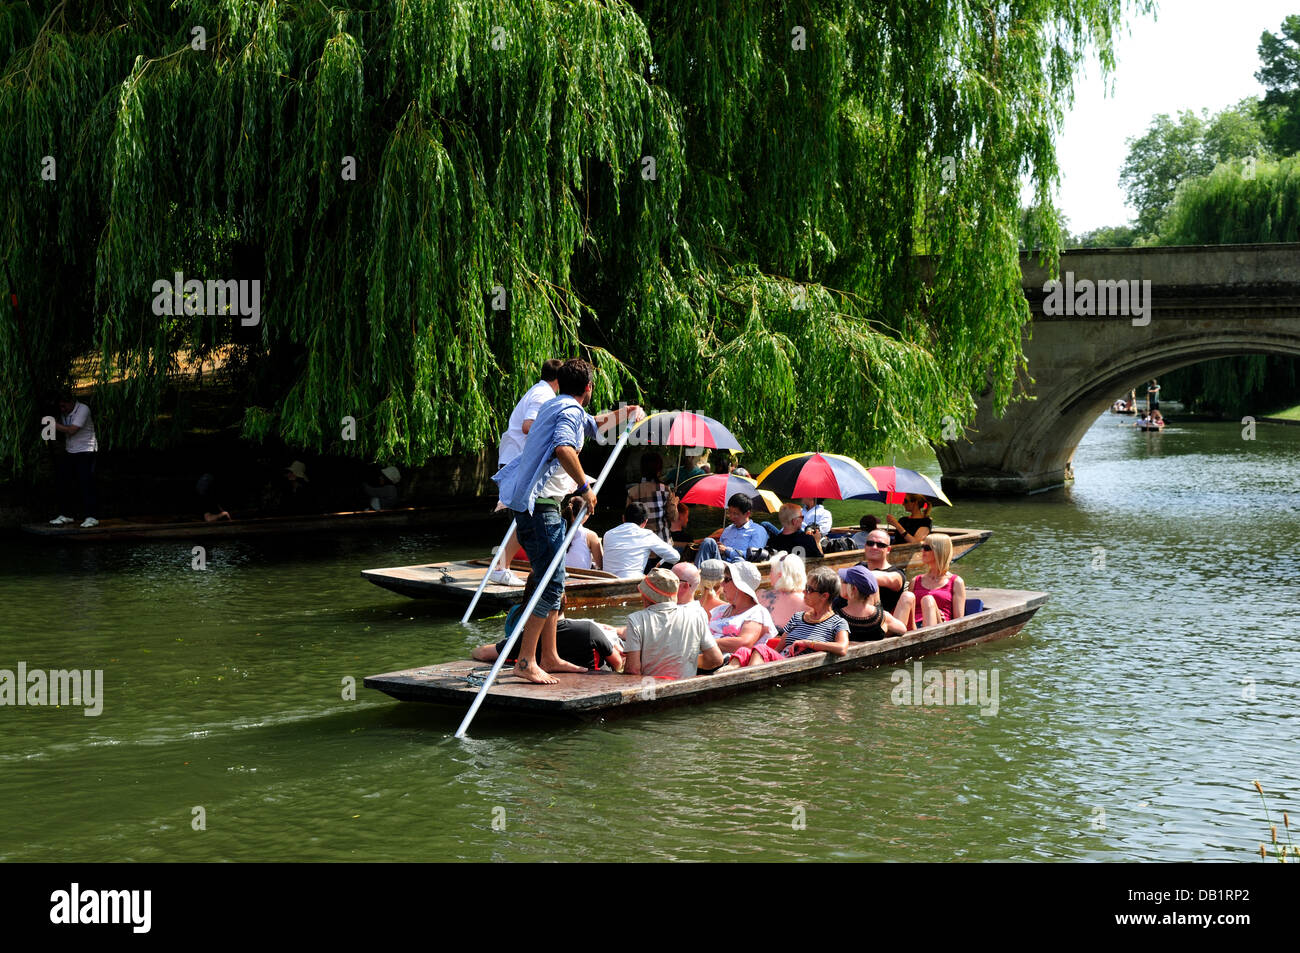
(742, 655)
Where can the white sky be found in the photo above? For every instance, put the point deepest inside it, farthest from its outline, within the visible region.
(1195, 54)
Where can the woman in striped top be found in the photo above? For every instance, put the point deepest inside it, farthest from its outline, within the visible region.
(816, 629)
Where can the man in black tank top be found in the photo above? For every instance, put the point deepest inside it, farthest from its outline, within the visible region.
(875, 556)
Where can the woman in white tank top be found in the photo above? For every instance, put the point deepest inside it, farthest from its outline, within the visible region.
(585, 551)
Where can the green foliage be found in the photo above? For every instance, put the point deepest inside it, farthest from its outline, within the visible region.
(1237, 203)
(1279, 74)
(767, 271)
(1108, 236)
(1173, 150)
(1254, 384)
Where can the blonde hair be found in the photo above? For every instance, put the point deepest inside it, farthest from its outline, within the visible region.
(788, 513)
(941, 545)
(788, 573)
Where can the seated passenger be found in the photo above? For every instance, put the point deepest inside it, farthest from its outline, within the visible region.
(627, 546)
(580, 641)
(916, 525)
(380, 488)
(712, 574)
(660, 501)
(681, 536)
(865, 526)
(793, 538)
(861, 609)
(785, 598)
(875, 557)
(666, 639)
(738, 538)
(816, 629)
(688, 577)
(585, 551)
(742, 622)
(936, 595)
(291, 494)
(815, 516)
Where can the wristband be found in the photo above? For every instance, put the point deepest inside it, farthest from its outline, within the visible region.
(582, 489)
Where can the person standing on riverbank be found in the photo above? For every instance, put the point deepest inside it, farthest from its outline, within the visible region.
(76, 467)
(533, 485)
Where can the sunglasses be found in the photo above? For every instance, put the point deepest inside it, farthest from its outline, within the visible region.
(926, 548)
(873, 544)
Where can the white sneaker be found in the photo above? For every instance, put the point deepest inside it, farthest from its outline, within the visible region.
(88, 522)
(62, 521)
(504, 577)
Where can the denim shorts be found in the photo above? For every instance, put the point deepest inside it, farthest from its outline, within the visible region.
(542, 534)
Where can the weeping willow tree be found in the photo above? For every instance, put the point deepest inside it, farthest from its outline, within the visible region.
(799, 217)
(1237, 203)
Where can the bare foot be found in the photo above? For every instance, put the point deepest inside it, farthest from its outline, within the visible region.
(531, 672)
(557, 664)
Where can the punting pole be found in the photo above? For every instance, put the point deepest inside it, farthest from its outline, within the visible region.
(491, 566)
(537, 591)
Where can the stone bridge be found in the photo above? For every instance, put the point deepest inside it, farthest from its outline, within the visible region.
(1091, 345)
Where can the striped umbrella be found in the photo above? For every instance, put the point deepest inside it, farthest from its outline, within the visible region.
(714, 489)
(681, 428)
(897, 482)
(826, 476)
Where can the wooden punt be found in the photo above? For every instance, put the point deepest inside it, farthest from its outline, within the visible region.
(454, 582)
(594, 694)
(165, 527)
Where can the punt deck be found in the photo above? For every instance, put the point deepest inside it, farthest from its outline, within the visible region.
(454, 582)
(165, 527)
(598, 694)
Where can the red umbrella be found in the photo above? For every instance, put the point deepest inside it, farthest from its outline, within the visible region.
(897, 482)
(714, 489)
(681, 428)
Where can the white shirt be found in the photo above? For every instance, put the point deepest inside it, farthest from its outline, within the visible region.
(83, 441)
(628, 546)
(818, 516)
(512, 441)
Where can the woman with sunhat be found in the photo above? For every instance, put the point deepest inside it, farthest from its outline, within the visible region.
(742, 624)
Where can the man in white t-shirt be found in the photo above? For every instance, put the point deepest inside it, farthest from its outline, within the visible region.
(512, 444)
(626, 547)
(77, 466)
(667, 639)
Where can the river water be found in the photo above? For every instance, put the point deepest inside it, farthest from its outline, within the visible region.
(1134, 711)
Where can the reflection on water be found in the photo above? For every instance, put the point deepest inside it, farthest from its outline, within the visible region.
(1134, 710)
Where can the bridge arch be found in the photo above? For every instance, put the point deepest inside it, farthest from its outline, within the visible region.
(1207, 302)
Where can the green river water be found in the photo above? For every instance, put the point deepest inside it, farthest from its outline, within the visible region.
(1134, 710)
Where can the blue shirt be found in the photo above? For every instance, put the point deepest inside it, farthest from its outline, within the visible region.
(560, 423)
(749, 536)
